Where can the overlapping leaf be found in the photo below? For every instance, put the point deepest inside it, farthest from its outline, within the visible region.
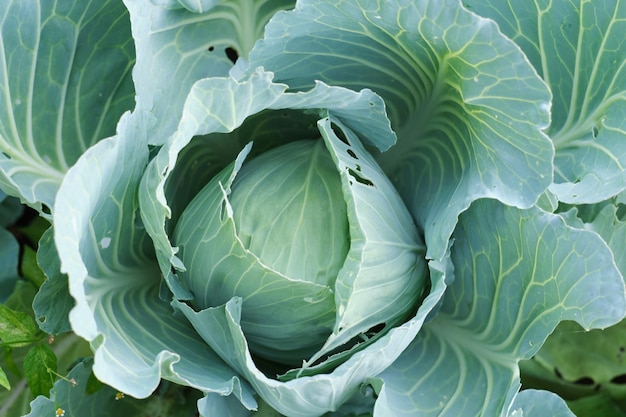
(176, 47)
(579, 48)
(467, 106)
(115, 279)
(536, 403)
(512, 287)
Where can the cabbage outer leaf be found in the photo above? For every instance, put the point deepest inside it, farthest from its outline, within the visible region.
(512, 287)
(578, 47)
(64, 82)
(466, 104)
(384, 274)
(115, 279)
(177, 47)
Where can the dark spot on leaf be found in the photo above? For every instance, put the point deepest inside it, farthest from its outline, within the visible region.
(558, 373)
(211, 48)
(586, 381)
(375, 329)
(352, 154)
(339, 133)
(232, 54)
(359, 178)
(619, 379)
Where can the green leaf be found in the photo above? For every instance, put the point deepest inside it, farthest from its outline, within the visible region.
(572, 356)
(9, 257)
(74, 400)
(30, 268)
(577, 47)
(53, 301)
(64, 82)
(10, 211)
(4, 381)
(512, 287)
(466, 104)
(384, 242)
(40, 364)
(16, 328)
(191, 45)
(596, 405)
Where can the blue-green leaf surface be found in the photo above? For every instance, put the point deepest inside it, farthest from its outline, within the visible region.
(512, 286)
(115, 279)
(198, 6)
(595, 356)
(579, 48)
(384, 274)
(536, 403)
(466, 104)
(177, 47)
(64, 82)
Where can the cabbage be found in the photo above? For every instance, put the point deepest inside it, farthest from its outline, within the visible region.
(276, 234)
(310, 208)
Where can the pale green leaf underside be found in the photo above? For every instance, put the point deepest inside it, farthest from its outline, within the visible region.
(512, 287)
(114, 277)
(536, 403)
(466, 104)
(579, 48)
(177, 47)
(64, 82)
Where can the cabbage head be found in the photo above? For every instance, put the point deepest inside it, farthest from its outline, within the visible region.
(278, 262)
(278, 235)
